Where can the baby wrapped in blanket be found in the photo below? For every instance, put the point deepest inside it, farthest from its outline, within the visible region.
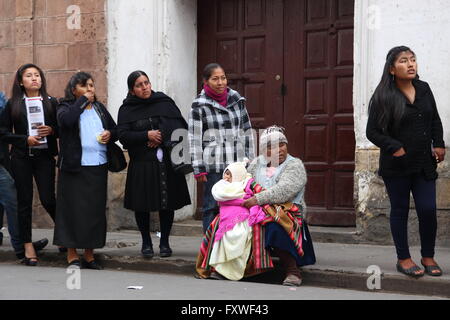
(233, 238)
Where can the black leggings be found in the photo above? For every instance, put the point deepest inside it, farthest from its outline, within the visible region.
(165, 220)
(424, 193)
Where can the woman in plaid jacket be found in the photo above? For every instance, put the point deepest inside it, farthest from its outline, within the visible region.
(220, 133)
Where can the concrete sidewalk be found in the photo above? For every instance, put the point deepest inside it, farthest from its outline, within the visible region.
(338, 265)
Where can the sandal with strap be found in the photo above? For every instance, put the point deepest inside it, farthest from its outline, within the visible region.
(32, 262)
(429, 270)
(410, 271)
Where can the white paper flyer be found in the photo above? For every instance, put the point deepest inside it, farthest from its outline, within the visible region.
(35, 115)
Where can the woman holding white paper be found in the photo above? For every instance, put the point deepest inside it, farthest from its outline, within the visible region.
(34, 148)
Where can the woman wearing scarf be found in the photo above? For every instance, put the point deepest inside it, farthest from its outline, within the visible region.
(146, 122)
(219, 134)
(279, 189)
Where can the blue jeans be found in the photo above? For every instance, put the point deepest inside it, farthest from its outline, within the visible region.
(8, 199)
(210, 206)
(424, 193)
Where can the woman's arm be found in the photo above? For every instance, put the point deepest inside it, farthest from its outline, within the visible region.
(68, 115)
(248, 134)
(129, 138)
(375, 134)
(291, 182)
(6, 122)
(195, 135)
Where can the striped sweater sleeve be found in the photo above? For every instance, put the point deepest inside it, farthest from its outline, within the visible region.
(195, 137)
(248, 132)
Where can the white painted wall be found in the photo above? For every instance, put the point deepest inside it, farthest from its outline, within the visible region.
(382, 24)
(160, 38)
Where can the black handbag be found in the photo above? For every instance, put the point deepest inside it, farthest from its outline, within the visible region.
(116, 158)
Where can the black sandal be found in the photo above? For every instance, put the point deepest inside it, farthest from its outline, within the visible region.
(429, 270)
(32, 262)
(411, 271)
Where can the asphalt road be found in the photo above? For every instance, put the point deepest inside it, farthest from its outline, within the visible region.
(18, 282)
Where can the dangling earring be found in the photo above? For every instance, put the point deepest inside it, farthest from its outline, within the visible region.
(393, 77)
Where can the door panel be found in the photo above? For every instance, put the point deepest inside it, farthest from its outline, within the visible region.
(318, 106)
(293, 61)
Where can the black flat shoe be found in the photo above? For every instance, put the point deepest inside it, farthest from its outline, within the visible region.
(31, 262)
(92, 265)
(62, 249)
(429, 270)
(75, 263)
(410, 272)
(40, 244)
(165, 251)
(147, 252)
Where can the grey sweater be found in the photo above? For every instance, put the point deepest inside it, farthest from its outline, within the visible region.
(289, 184)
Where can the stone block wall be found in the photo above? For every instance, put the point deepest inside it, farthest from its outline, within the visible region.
(37, 31)
(43, 32)
(373, 207)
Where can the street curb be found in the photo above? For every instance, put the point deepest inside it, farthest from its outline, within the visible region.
(335, 279)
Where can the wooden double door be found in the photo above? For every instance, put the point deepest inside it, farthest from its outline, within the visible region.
(293, 61)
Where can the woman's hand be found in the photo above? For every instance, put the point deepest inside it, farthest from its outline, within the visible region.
(153, 144)
(105, 136)
(33, 141)
(45, 131)
(154, 136)
(400, 152)
(250, 203)
(439, 154)
(90, 96)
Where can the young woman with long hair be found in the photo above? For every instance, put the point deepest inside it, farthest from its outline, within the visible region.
(404, 123)
(31, 155)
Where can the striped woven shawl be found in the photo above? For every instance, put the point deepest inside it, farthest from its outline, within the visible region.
(287, 215)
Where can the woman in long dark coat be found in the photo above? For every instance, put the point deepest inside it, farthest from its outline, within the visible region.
(86, 132)
(146, 121)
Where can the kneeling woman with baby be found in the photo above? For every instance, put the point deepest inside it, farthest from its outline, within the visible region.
(272, 190)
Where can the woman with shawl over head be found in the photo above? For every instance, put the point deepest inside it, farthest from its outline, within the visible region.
(146, 122)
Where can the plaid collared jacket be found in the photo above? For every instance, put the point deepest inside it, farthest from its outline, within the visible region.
(219, 135)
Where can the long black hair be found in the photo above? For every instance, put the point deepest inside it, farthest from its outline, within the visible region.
(18, 91)
(389, 100)
(78, 78)
(132, 80)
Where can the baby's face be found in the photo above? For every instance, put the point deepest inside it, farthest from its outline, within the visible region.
(227, 176)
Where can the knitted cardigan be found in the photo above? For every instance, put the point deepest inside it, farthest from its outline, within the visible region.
(289, 184)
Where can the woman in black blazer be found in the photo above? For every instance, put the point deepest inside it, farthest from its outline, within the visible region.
(86, 132)
(404, 123)
(31, 156)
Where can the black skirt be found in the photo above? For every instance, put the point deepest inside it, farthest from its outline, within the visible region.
(154, 186)
(81, 208)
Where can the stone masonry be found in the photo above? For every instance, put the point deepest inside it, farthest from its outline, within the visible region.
(47, 33)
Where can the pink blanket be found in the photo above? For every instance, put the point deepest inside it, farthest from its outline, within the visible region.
(232, 212)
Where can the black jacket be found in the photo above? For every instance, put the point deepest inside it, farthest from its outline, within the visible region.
(69, 137)
(16, 130)
(419, 131)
